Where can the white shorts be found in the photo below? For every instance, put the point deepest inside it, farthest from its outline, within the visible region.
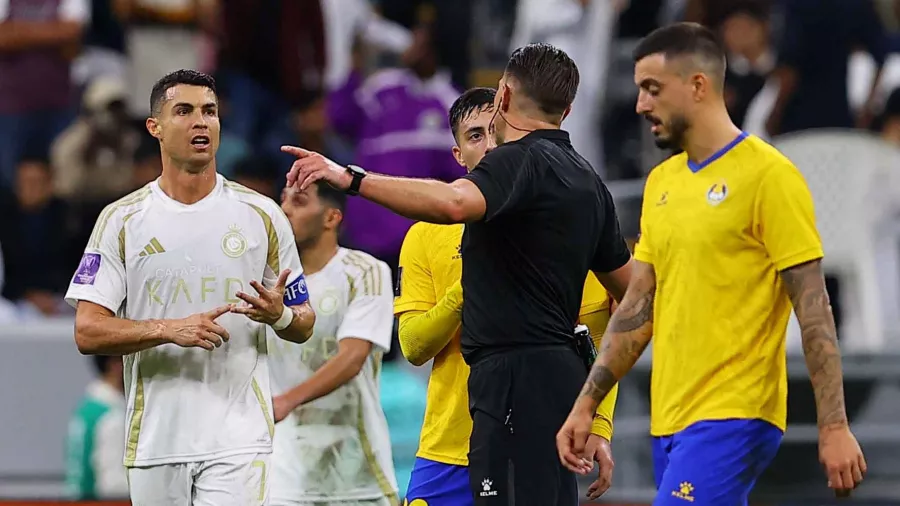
(240, 480)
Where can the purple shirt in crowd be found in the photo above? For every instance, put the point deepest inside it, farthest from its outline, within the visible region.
(36, 79)
(400, 126)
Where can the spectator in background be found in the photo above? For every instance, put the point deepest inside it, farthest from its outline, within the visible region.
(271, 55)
(452, 23)
(232, 147)
(888, 123)
(8, 311)
(398, 120)
(259, 173)
(819, 37)
(163, 36)
(95, 442)
(36, 250)
(93, 159)
(583, 29)
(147, 162)
(38, 39)
(744, 30)
(314, 130)
(103, 46)
(345, 20)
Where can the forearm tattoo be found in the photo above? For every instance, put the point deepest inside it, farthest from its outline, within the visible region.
(628, 333)
(805, 284)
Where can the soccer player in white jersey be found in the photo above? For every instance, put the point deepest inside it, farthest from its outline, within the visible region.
(332, 446)
(168, 280)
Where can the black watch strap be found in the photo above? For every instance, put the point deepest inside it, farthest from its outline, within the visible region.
(358, 174)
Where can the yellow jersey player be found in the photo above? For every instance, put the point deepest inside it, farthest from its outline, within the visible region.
(728, 244)
(429, 302)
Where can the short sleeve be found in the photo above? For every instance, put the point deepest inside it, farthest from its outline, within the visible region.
(612, 250)
(4, 10)
(100, 277)
(369, 314)
(505, 177)
(414, 290)
(785, 218)
(287, 258)
(643, 248)
(77, 11)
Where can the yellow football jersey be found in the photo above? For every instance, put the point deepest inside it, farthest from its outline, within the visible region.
(430, 262)
(717, 235)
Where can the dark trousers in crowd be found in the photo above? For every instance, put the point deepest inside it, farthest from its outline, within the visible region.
(453, 29)
(518, 401)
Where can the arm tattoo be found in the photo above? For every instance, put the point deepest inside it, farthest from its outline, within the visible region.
(628, 333)
(805, 284)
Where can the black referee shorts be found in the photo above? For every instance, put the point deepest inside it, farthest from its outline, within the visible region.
(519, 401)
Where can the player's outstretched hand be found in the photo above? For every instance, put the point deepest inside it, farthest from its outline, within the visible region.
(268, 306)
(200, 330)
(598, 448)
(840, 454)
(311, 167)
(571, 441)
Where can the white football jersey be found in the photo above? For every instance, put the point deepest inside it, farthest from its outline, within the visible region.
(151, 257)
(336, 448)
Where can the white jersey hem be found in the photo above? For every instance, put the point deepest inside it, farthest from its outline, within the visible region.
(200, 457)
(306, 499)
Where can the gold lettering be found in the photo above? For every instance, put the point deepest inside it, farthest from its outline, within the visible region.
(203, 289)
(181, 285)
(152, 287)
(229, 293)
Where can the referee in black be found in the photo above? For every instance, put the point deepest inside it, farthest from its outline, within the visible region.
(538, 218)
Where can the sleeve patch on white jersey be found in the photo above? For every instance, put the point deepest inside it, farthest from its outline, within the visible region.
(87, 269)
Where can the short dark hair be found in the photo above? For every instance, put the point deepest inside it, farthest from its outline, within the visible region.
(34, 152)
(172, 79)
(473, 100)
(330, 195)
(691, 40)
(548, 76)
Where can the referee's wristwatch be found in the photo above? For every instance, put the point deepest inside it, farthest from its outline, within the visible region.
(358, 174)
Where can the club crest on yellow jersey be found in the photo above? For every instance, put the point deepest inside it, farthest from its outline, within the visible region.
(663, 199)
(717, 193)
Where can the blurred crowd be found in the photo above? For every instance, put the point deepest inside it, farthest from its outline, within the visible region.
(365, 82)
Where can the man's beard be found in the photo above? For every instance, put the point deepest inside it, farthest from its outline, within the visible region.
(677, 128)
(313, 236)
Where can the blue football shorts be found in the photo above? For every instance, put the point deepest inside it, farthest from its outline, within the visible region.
(437, 484)
(713, 463)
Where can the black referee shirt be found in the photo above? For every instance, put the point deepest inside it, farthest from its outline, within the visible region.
(549, 220)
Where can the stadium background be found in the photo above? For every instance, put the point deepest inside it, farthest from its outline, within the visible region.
(71, 142)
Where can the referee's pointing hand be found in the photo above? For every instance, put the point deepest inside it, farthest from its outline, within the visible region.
(311, 167)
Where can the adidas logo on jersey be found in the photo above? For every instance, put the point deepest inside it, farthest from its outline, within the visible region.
(152, 248)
